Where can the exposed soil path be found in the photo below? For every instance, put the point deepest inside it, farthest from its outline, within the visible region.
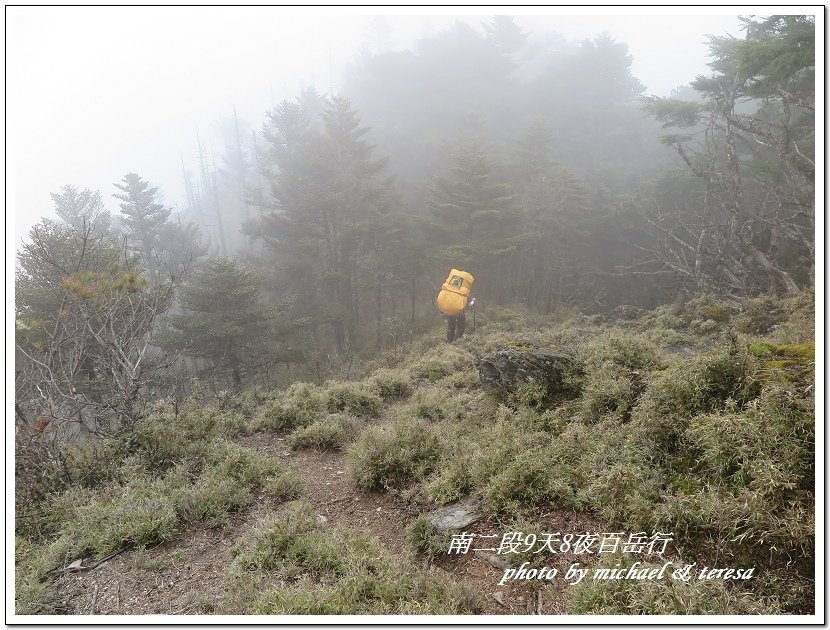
(329, 489)
(186, 576)
(181, 577)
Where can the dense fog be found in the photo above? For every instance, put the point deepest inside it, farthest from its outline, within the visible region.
(540, 164)
(558, 268)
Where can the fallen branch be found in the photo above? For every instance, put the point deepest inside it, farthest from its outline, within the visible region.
(78, 565)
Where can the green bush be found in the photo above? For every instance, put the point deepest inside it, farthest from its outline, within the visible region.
(298, 406)
(32, 592)
(289, 543)
(471, 460)
(211, 499)
(440, 361)
(248, 402)
(609, 391)
(332, 432)
(799, 326)
(423, 538)
(704, 383)
(387, 458)
(168, 434)
(356, 399)
(230, 475)
(663, 597)
(760, 315)
(629, 351)
(94, 461)
(143, 513)
(436, 404)
(332, 571)
(759, 471)
(141, 509)
(391, 384)
(525, 481)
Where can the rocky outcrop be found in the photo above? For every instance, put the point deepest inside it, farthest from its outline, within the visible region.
(456, 516)
(507, 369)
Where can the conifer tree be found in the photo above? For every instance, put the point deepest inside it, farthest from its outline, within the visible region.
(556, 223)
(84, 319)
(754, 222)
(143, 219)
(223, 317)
(331, 203)
(167, 245)
(474, 217)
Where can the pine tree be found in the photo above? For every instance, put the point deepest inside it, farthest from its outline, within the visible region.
(556, 224)
(223, 317)
(507, 36)
(753, 226)
(474, 215)
(331, 203)
(143, 219)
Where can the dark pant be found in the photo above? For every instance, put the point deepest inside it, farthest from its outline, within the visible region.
(455, 326)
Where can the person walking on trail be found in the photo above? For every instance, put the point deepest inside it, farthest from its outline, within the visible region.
(453, 300)
(456, 324)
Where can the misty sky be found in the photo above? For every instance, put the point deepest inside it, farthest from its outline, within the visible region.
(96, 92)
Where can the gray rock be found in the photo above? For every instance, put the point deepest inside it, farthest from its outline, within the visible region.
(508, 368)
(456, 515)
(492, 559)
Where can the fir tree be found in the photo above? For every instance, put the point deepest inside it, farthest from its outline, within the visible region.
(143, 219)
(223, 316)
(331, 204)
(474, 214)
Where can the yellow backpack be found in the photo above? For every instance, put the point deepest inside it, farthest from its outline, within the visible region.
(452, 299)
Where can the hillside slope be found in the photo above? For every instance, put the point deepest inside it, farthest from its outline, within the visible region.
(693, 421)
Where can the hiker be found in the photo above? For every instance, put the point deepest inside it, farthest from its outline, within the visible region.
(453, 300)
(456, 324)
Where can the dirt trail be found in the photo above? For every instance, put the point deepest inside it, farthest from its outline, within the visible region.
(181, 577)
(329, 489)
(186, 576)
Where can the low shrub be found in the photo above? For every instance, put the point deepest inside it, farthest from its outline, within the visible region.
(610, 390)
(470, 460)
(440, 361)
(436, 404)
(332, 571)
(141, 508)
(353, 398)
(32, 562)
(94, 461)
(248, 401)
(663, 597)
(799, 326)
(332, 432)
(527, 480)
(169, 434)
(298, 406)
(704, 383)
(760, 315)
(142, 513)
(390, 457)
(211, 499)
(391, 384)
(633, 352)
(423, 538)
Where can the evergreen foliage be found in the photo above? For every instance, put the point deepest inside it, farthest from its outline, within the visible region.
(474, 214)
(223, 316)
